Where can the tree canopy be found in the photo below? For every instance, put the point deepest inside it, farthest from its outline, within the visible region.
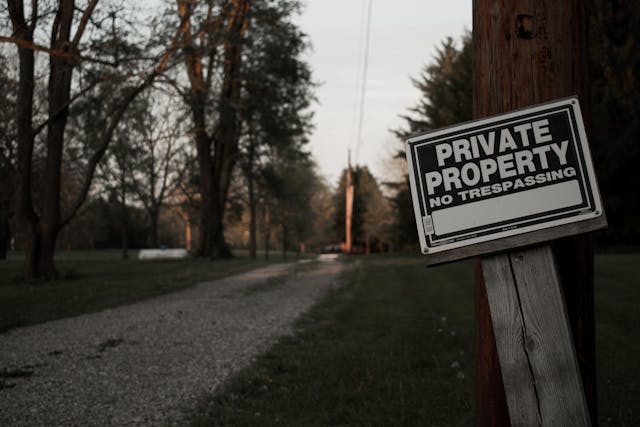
(371, 217)
(236, 66)
(445, 86)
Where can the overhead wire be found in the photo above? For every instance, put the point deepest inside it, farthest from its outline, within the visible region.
(357, 77)
(363, 91)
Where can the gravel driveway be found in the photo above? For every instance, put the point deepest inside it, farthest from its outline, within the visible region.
(143, 363)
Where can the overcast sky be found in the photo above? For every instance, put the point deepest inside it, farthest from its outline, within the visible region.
(404, 34)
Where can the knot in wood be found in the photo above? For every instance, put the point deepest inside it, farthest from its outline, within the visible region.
(529, 344)
(525, 26)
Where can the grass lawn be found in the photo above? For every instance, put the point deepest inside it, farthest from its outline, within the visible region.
(94, 280)
(394, 346)
(391, 347)
(617, 294)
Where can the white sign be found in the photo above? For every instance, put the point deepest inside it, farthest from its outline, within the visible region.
(501, 176)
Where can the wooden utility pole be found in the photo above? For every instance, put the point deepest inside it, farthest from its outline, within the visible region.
(528, 52)
(349, 206)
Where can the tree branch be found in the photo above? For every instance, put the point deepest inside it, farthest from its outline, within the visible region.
(117, 116)
(16, 12)
(86, 15)
(26, 44)
(104, 144)
(62, 108)
(34, 14)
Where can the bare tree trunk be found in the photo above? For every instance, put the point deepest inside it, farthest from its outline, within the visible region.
(5, 198)
(206, 198)
(5, 236)
(188, 239)
(25, 214)
(124, 223)
(219, 246)
(525, 53)
(42, 228)
(252, 205)
(227, 132)
(253, 238)
(284, 241)
(153, 224)
(215, 163)
(267, 231)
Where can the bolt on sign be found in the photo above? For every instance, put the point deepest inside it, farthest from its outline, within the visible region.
(502, 176)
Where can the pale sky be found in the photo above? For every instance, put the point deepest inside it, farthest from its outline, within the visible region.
(404, 34)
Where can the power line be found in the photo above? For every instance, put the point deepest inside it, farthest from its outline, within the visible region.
(357, 76)
(364, 81)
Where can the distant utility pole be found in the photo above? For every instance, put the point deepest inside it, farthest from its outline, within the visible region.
(528, 52)
(349, 205)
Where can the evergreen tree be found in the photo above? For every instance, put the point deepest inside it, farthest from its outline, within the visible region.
(445, 87)
(276, 95)
(614, 133)
(371, 213)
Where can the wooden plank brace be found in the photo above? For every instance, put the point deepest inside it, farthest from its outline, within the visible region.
(538, 362)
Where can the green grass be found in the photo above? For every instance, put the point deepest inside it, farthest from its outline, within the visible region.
(392, 347)
(95, 280)
(379, 351)
(617, 296)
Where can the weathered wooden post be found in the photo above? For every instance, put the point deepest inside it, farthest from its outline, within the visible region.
(498, 186)
(526, 52)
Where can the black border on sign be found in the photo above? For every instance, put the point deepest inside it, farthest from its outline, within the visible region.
(589, 205)
(533, 219)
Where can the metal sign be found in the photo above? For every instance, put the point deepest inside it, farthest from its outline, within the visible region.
(501, 176)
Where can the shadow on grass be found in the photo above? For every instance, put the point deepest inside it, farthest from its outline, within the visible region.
(390, 347)
(394, 346)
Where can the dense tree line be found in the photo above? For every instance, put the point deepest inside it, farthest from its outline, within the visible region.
(614, 43)
(445, 87)
(372, 216)
(107, 103)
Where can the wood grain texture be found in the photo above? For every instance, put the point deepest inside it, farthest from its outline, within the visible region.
(519, 241)
(488, 383)
(527, 52)
(510, 334)
(533, 339)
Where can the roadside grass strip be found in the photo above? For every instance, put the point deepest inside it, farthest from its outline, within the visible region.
(392, 346)
(617, 299)
(95, 280)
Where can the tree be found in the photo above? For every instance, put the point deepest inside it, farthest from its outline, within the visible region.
(289, 186)
(66, 53)
(7, 152)
(445, 87)
(242, 63)
(371, 212)
(275, 97)
(377, 220)
(115, 174)
(157, 144)
(210, 31)
(614, 43)
(88, 124)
